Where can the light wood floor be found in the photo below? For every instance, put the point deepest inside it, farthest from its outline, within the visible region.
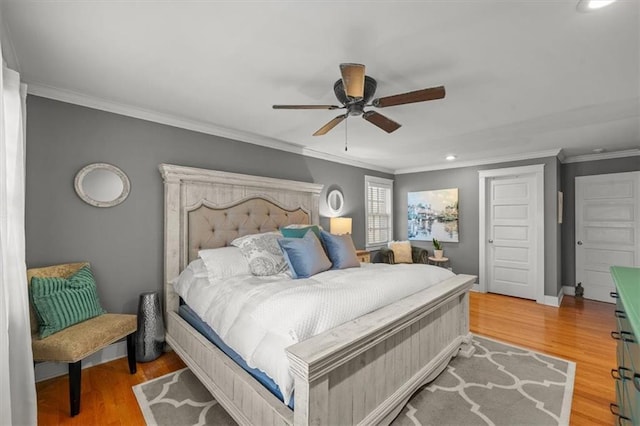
(579, 331)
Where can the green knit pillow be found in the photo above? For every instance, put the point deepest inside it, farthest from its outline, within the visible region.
(61, 302)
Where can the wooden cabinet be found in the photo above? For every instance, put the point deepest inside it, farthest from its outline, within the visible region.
(363, 256)
(627, 334)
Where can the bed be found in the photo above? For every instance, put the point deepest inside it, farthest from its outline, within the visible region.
(360, 372)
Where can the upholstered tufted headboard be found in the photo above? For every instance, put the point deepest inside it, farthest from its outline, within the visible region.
(212, 227)
(208, 209)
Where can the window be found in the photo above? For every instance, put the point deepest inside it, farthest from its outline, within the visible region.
(379, 214)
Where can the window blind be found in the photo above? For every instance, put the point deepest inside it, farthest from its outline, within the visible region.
(379, 193)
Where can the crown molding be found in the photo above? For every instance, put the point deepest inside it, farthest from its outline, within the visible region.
(602, 156)
(76, 98)
(481, 162)
(81, 99)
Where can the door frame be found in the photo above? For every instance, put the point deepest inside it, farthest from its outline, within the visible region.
(537, 170)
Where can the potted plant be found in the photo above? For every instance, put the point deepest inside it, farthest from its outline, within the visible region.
(437, 249)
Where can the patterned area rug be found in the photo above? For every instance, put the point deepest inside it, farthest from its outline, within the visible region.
(500, 385)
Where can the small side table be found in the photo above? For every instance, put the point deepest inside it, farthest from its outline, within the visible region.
(363, 256)
(443, 262)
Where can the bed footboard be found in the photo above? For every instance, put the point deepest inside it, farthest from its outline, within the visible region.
(365, 371)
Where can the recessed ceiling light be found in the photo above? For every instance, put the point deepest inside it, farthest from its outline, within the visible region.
(450, 157)
(589, 5)
(598, 150)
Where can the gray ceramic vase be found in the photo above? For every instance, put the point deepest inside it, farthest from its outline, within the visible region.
(150, 334)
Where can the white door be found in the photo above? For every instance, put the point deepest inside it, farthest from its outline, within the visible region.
(511, 237)
(607, 229)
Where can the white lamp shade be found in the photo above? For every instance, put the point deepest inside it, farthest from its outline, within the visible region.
(340, 225)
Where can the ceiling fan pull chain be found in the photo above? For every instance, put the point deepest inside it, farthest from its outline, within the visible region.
(346, 121)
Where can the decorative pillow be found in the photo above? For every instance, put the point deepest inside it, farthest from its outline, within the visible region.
(189, 276)
(262, 252)
(401, 251)
(341, 250)
(299, 231)
(61, 302)
(305, 255)
(224, 262)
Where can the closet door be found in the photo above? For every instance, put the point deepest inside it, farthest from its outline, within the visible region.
(512, 245)
(607, 229)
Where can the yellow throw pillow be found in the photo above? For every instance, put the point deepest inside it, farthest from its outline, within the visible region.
(401, 251)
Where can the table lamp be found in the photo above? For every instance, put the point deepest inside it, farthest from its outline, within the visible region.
(340, 225)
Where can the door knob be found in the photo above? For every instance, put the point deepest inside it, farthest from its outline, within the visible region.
(490, 241)
(579, 243)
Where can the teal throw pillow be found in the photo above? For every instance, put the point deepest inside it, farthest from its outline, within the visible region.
(300, 232)
(341, 250)
(305, 255)
(61, 302)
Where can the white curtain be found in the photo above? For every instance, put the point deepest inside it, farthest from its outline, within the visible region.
(17, 385)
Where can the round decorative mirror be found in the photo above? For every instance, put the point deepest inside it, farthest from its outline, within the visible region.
(335, 201)
(102, 185)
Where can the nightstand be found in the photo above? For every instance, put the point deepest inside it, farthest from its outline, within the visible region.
(443, 262)
(363, 256)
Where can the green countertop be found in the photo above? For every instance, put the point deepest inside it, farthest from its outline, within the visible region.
(628, 287)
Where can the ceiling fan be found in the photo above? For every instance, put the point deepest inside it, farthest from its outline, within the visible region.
(354, 91)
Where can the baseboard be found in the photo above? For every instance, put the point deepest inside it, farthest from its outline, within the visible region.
(49, 370)
(569, 290)
(555, 301)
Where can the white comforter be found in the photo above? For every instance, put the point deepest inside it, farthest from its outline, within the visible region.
(259, 317)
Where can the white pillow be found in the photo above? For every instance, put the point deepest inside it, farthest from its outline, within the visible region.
(262, 252)
(192, 272)
(224, 262)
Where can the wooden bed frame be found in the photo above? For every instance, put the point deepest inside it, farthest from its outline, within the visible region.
(361, 372)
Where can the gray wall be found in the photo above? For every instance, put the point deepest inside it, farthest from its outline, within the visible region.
(464, 255)
(125, 243)
(569, 172)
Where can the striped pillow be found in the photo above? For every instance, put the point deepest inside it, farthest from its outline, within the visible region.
(61, 302)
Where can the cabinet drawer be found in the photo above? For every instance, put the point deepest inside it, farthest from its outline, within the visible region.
(631, 356)
(620, 354)
(624, 327)
(632, 400)
(622, 399)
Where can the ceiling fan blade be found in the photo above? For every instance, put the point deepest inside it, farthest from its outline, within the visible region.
(381, 121)
(330, 125)
(353, 80)
(306, 107)
(410, 97)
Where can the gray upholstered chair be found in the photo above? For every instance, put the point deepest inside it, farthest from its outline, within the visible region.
(418, 255)
(80, 340)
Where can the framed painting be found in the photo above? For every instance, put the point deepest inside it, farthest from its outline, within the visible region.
(433, 214)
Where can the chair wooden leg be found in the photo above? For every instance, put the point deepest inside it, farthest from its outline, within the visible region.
(75, 378)
(131, 353)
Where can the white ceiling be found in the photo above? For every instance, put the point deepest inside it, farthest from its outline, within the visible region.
(522, 77)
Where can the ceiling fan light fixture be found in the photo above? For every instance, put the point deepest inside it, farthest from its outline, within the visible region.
(353, 80)
(589, 5)
(355, 91)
